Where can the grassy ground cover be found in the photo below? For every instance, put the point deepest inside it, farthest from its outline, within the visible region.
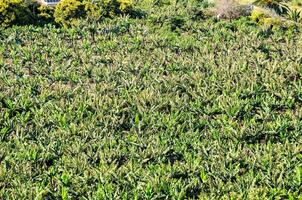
(170, 106)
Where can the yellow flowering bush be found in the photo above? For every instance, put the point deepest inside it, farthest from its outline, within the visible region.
(267, 18)
(258, 14)
(68, 12)
(272, 22)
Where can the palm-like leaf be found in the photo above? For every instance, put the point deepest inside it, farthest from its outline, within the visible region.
(279, 6)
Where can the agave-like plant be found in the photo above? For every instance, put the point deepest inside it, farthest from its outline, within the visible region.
(294, 15)
(279, 6)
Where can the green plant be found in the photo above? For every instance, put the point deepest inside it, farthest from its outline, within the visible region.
(270, 20)
(46, 13)
(93, 10)
(13, 11)
(279, 6)
(129, 108)
(258, 14)
(68, 12)
(114, 7)
(294, 15)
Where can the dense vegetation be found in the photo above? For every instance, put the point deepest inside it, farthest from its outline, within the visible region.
(168, 105)
(66, 13)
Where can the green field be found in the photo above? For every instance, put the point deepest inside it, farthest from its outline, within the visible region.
(167, 106)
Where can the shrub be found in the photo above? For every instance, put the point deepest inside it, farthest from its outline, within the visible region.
(97, 8)
(258, 14)
(14, 11)
(46, 13)
(278, 6)
(93, 10)
(68, 12)
(125, 5)
(271, 20)
(114, 7)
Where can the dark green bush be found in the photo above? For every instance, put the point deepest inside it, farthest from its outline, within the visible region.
(46, 13)
(113, 7)
(14, 12)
